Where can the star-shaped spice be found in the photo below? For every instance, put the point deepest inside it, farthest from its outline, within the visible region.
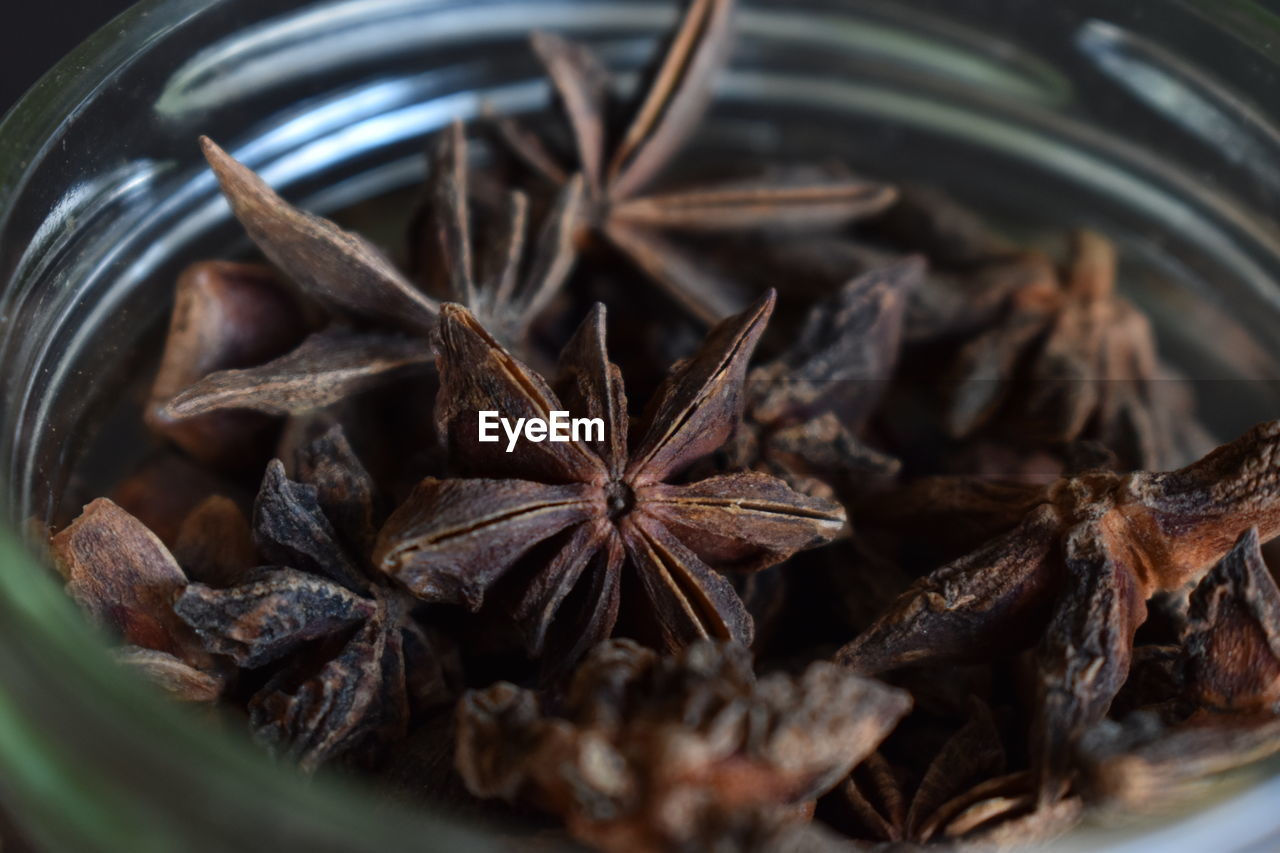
(1077, 571)
(620, 162)
(560, 521)
(1227, 673)
(686, 752)
(1070, 359)
(965, 794)
(489, 283)
(804, 409)
(379, 323)
(353, 667)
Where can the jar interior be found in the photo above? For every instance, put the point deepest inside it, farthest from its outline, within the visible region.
(911, 96)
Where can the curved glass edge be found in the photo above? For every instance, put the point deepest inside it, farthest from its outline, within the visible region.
(53, 100)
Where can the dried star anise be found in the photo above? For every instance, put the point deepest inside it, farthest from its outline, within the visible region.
(355, 667)
(1097, 636)
(965, 794)
(600, 505)
(618, 163)
(225, 316)
(645, 752)
(1086, 557)
(1228, 674)
(1232, 637)
(489, 283)
(805, 407)
(1070, 359)
(219, 366)
(379, 321)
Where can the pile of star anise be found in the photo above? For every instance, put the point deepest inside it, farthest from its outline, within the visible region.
(879, 560)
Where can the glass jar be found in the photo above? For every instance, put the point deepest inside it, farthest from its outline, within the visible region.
(1155, 122)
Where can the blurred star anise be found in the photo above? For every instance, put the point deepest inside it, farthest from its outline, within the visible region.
(1077, 571)
(965, 794)
(674, 753)
(619, 162)
(1071, 359)
(599, 506)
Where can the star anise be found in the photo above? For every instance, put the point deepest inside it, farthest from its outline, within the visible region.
(379, 323)
(966, 794)
(1070, 359)
(353, 666)
(686, 752)
(1077, 571)
(489, 283)
(599, 506)
(618, 163)
(1232, 636)
(805, 408)
(1226, 677)
(126, 580)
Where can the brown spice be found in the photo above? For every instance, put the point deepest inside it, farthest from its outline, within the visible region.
(601, 506)
(660, 753)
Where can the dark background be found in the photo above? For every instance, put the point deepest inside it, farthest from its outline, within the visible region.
(37, 33)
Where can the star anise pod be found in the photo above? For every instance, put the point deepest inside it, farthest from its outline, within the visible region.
(966, 795)
(353, 667)
(126, 580)
(1228, 677)
(619, 163)
(805, 408)
(1077, 572)
(489, 283)
(669, 753)
(1070, 360)
(379, 322)
(1232, 636)
(582, 511)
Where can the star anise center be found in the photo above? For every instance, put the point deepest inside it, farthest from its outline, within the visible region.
(620, 498)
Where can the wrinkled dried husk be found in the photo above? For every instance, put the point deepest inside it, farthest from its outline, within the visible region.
(655, 752)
